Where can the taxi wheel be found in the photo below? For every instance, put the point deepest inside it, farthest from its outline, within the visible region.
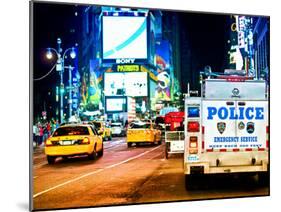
(100, 153)
(93, 155)
(189, 182)
(51, 159)
(64, 157)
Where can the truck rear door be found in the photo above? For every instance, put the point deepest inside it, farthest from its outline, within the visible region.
(219, 130)
(234, 125)
(251, 130)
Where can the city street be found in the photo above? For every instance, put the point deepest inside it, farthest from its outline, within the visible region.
(125, 176)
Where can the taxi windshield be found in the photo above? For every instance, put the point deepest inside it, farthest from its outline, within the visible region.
(97, 125)
(140, 126)
(75, 130)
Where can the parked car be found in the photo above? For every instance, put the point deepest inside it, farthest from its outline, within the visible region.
(72, 140)
(143, 132)
(117, 129)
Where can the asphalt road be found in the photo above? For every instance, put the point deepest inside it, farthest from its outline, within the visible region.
(126, 176)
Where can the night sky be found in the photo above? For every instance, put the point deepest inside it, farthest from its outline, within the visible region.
(202, 40)
(51, 21)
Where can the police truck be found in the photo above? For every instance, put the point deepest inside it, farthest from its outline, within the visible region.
(227, 128)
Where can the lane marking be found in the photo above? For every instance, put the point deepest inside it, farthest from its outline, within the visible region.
(94, 172)
(38, 165)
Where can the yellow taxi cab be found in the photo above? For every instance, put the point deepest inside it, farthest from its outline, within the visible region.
(72, 140)
(103, 129)
(143, 132)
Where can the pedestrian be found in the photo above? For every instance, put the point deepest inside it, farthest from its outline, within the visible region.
(49, 129)
(35, 134)
(57, 124)
(45, 133)
(40, 134)
(53, 126)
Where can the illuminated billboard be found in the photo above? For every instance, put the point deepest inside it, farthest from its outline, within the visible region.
(124, 38)
(115, 104)
(126, 83)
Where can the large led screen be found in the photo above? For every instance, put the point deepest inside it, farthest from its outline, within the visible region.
(126, 83)
(115, 104)
(124, 37)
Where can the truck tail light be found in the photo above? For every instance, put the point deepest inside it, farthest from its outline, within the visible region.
(267, 137)
(86, 140)
(48, 142)
(193, 126)
(203, 142)
(193, 145)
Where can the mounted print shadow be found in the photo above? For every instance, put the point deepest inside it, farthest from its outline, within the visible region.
(137, 105)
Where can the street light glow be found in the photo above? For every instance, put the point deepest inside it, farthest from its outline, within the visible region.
(49, 54)
(72, 53)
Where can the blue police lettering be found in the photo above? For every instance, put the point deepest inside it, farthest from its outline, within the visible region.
(248, 111)
(232, 113)
(259, 113)
(223, 113)
(241, 112)
(211, 112)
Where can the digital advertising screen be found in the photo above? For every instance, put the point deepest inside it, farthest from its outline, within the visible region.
(126, 83)
(124, 37)
(115, 104)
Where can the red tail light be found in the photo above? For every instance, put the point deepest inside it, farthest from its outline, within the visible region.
(48, 142)
(203, 143)
(193, 126)
(86, 140)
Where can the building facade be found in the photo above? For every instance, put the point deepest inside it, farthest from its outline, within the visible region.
(261, 47)
(124, 55)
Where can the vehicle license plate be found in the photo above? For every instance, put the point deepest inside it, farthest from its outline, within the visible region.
(66, 143)
(177, 146)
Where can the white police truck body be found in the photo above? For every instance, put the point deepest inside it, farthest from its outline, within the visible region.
(227, 128)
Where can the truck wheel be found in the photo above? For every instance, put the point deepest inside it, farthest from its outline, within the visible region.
(167, 147)
(166, 154)
(189, 182)
(263, 179)
(166, 151)
(129, 144)
(51, 159)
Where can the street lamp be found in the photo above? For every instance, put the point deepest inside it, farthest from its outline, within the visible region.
(60, 68)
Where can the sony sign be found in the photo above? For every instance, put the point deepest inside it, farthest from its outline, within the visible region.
(125, 60)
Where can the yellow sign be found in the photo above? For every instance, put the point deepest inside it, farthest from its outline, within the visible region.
(128, 68)
(151, 75)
